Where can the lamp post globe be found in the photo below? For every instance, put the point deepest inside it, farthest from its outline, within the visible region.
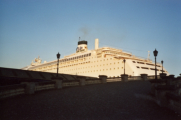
(155, 54)
(58, 57)
(124, 60)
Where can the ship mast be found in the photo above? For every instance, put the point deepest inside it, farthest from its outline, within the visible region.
(148, 55)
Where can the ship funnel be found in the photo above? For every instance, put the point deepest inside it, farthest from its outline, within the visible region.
(82, 46)
(96, 43)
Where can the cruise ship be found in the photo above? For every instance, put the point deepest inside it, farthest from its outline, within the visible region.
(100, 61)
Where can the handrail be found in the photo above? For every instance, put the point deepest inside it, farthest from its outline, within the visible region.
(9, 87)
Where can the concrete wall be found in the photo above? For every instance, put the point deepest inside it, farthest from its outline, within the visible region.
(16, 76)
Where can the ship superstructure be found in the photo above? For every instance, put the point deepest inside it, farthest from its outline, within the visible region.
(100, 61)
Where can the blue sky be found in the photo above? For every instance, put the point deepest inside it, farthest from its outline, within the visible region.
(29, 29)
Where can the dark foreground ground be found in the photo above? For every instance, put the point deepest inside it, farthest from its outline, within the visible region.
(101, 102)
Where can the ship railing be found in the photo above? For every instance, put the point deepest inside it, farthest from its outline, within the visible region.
(30, 86)
(112, 79)
(139, 57)
(116, 48)
(134, 78)
(153, 77)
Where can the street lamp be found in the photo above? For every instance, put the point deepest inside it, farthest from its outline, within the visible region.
(58, 57)
(162, 66)
(155, 54)
(124, 65)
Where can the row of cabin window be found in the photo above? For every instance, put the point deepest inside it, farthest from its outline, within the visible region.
(84, 55)
(81, 56)
(102, 60)
(149, 68)
(79, 68)
(93, 70)
(91, 66)
(77, 64)
(146, 63)
(87, 62)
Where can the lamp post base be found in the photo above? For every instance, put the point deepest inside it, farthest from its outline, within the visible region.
(124, 77)
(162, 75)
(144, 76)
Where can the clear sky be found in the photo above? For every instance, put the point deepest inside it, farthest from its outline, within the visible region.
(32, 28)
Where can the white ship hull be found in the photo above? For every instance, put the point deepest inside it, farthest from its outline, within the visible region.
(101, 61)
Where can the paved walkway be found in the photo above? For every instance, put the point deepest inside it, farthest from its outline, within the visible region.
(109, 101)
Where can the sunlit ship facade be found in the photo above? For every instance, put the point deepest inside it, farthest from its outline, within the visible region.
(100, 61)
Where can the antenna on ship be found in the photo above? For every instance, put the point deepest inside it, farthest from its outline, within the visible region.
(148, 55)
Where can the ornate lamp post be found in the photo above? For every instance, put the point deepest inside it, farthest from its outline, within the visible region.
(124, 65)
(162, 66)
(124, 77)
(155, 54)
(58, 57)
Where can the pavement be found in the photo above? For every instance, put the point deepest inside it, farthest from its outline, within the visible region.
(111, 101)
